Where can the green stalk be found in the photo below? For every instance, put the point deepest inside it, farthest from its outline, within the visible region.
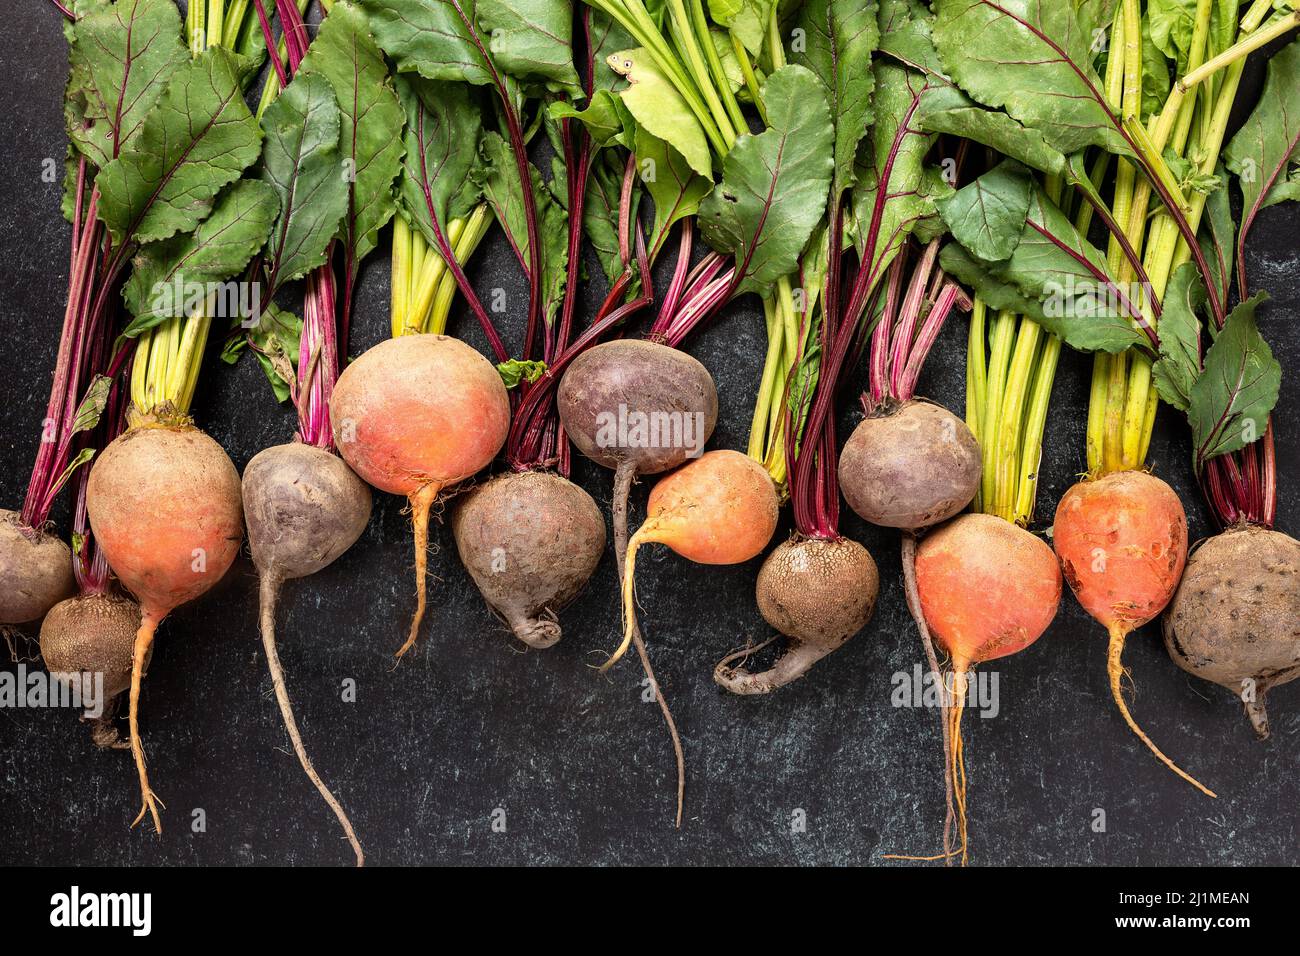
(476, 227)
(216, 21)
(234, 23)
(195, 27)
(775, 47)
(976, 370)
(722, 84)
(788, 343)
(1112, 448)
(1003, 336)
(751, 80)
(1011, 423)
(1035, 423)
(1240, 50)
(1167, 247)
(1096, 439)
(428, 280)
(400, 282)
(758, 423)
(690, 43)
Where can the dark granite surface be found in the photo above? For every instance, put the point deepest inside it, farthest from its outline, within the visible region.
(471, 730)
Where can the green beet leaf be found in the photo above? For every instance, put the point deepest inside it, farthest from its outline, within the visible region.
(302, 163)
(1032, 58)
(1179, 365)
(774, 184)
(198, 138)
(1263, 154)
(371, 118)
(169, 273)
(119, 61)
(1231, 400)
(839, 39)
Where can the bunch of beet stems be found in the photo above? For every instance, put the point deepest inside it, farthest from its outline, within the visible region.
(424, 280)
(1192, 123)
(536, 439)
(340, 507)
(93, 273)
(556, 546)
(694, 294)
(94, 631)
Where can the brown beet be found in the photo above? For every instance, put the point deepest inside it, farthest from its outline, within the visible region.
(94, 634)
(304, 507)
(1235, 619)
(608, 400)
(911, 466)
(35, 571)
(639, 402)
(817, 592)
(531, 541)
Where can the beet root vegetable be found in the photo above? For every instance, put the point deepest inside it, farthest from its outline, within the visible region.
(94, 634)
(910, 466)
(719, 509)
(1122, 541)
(639, 408)
(36, 571)
(304, 507)
(164, 505)
(634, 404)
(818, 592)
(415, 416)
(531, 540)
(987, 589)
(1235, 619)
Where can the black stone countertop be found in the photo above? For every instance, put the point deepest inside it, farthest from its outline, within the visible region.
(471, 729)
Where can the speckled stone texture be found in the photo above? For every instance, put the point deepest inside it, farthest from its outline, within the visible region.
(475, 751)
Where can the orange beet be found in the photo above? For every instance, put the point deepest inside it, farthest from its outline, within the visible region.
(988, 588)
(720, 508)
(164, 504)
(415, 416)
(1122, 541)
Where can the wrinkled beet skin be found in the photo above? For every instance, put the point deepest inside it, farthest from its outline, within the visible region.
(304, 507)
(913, 466)
(1236, 614)
(642, 377)
(531, 541)
(35, 572)
(93, 633)
(818, 591)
